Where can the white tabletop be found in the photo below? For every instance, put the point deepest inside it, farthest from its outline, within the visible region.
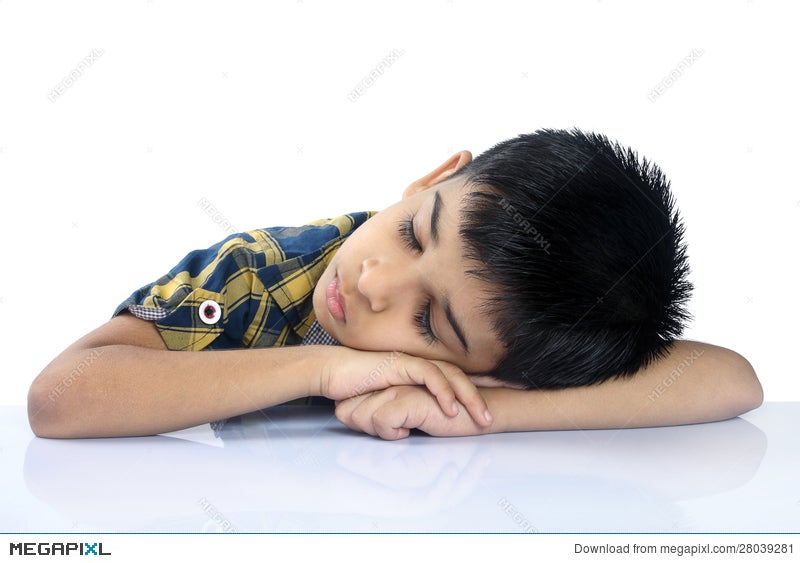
(297, 469)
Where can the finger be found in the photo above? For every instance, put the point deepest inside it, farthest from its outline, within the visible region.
(429, 374)
(468, 395)
(361, 417)
(344, 408)
(395, 419)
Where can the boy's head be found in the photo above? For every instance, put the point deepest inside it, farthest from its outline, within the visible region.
(556, 257)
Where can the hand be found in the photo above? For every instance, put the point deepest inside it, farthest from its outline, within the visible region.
(350, 373)
(392, 412)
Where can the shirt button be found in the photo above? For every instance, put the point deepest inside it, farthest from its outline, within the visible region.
(210, 311)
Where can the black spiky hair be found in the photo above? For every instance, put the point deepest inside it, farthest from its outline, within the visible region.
(583, 246)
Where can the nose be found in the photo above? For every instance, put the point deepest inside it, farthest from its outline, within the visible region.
(381, 283)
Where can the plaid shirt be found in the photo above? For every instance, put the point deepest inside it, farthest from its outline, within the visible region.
(252, 290)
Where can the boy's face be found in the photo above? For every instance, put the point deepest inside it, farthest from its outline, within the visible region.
(399, 281)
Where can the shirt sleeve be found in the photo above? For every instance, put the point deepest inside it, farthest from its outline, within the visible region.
(208, 294)
(253, 289)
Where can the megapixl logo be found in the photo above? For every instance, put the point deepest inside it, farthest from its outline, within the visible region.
(56, 548)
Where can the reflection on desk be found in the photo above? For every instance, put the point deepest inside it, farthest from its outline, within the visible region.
(290, 469)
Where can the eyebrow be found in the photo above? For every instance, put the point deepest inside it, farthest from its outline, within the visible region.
(448, 312)
(438, 204)
(437, 209)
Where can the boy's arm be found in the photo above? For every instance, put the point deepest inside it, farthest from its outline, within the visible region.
(693, 383)
(120, 380)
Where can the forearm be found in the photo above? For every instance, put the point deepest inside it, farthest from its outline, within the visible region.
(694, 383)
(125, 390)
(120, 380)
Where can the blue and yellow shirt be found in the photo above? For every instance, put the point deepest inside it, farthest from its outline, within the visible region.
(252, 290)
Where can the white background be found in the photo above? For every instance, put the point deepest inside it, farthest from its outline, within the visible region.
(247, 105)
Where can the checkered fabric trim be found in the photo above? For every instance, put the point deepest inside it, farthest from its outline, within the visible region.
(317, 335)
(147, 313)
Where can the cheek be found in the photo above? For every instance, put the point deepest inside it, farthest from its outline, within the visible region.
(377, 337)
(375, 235)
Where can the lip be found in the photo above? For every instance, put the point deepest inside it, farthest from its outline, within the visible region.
(334, 300)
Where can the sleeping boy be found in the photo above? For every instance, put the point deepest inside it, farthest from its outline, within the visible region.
(541, 285)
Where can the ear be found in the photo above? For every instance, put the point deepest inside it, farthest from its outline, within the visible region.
(441, 173)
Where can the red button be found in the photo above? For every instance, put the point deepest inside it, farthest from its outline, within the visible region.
(210, 311)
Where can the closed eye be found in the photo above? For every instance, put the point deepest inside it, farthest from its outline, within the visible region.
(422, 319)
(406, 231)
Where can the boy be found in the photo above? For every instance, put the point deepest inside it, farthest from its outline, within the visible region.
(551, 269)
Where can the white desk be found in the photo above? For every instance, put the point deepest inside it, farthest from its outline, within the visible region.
(298, 469)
